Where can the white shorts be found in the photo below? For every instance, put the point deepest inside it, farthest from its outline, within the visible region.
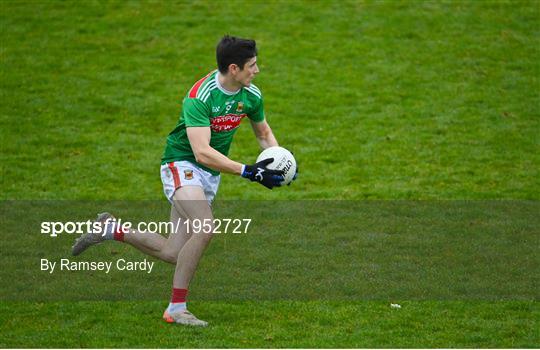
(184, 173)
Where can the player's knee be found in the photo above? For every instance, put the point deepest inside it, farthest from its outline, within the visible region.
(169, 256)
(205, 237)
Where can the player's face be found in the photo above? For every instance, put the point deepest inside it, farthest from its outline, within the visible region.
(246, 75)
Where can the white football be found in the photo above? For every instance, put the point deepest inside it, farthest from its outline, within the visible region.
(283, 160)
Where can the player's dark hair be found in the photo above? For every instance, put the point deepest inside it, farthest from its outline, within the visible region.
(234, 50)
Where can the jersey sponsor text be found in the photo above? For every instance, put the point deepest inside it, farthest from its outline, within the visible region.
(226, 122)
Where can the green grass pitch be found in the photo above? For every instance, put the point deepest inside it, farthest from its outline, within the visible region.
(379, 100)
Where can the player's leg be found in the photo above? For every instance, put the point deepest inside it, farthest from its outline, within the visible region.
(150, 243)
(191, 252)
(147, 242)
(158, 246)
(192, 204)
(174, 176)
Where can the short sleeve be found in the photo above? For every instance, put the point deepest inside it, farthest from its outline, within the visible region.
(257, 114)
(195, 112)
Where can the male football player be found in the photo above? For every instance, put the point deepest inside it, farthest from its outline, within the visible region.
(195, 154)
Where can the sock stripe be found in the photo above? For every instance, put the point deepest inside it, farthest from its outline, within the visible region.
(179, 295)
(119, 234)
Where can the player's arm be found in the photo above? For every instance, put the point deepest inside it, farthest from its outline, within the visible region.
(196, 114)
(260, 126)
(264, 134)
(266, 137)
(199, 138)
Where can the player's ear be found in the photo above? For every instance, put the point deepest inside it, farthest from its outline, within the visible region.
(233, 68)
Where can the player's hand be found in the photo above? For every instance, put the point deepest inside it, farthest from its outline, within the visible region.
(260, 173)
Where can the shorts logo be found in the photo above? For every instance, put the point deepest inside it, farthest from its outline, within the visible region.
(188, 174)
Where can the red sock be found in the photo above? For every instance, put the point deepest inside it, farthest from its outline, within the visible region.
(119, 234)
(179, 295)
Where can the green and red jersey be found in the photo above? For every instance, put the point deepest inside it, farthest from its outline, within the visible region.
(207, 103)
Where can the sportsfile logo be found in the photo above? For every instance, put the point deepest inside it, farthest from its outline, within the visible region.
(54, 228)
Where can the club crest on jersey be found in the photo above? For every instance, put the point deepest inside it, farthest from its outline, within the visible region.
(240, 107)
(188, 174)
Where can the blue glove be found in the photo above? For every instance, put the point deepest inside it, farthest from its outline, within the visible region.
(258, 172)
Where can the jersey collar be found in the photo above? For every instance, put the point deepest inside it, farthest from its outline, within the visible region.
(222, 89)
